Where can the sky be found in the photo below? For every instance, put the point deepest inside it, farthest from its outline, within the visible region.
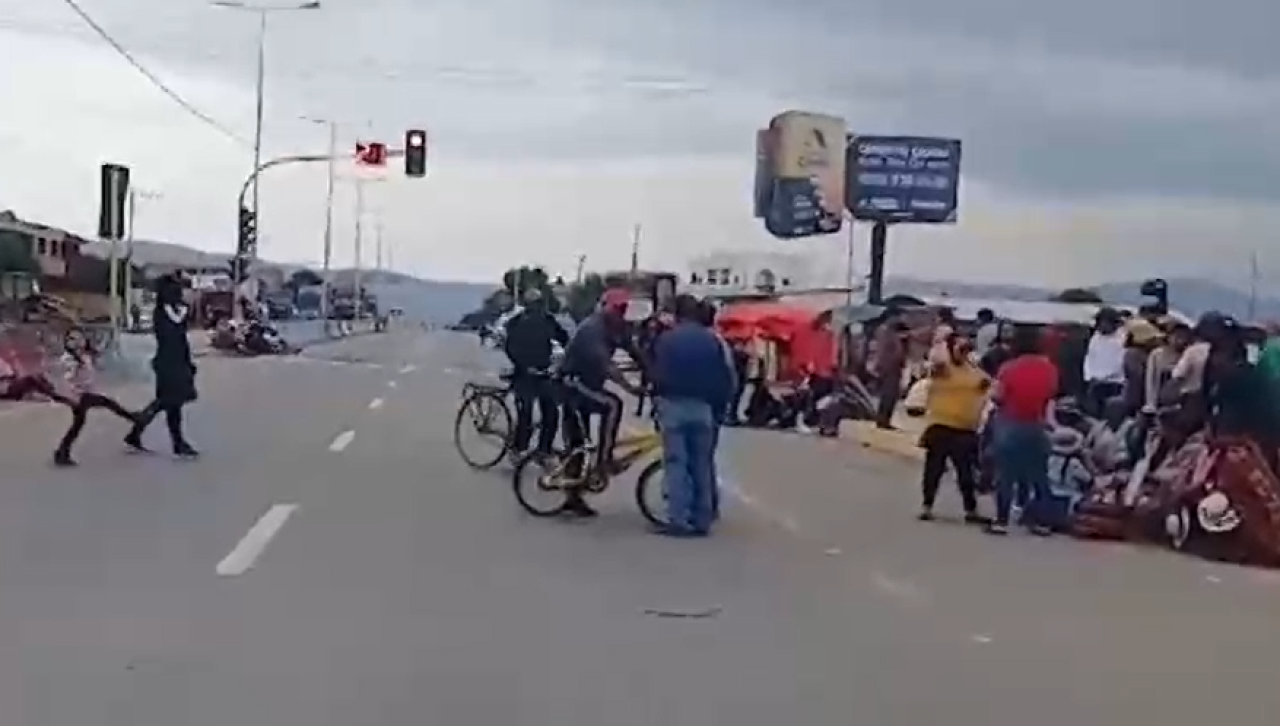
(1104, 139)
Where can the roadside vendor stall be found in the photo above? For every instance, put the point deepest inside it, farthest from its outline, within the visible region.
(789, 341)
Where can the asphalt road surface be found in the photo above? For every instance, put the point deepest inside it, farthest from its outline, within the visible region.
(331, 561)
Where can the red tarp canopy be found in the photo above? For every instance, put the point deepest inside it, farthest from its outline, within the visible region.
(807, 341)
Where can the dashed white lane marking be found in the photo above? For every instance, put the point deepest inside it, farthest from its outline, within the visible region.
(391, 384)
(833, 552)
(408, 369)
(981, 638)
(376, 404)
(342, 440)
(246, 553)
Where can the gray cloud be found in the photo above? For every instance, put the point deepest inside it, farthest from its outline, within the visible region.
(1094, 97)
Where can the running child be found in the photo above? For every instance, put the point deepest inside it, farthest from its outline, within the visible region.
(81, 371)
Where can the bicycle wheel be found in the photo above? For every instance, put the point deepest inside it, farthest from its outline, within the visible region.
(540, 491)
(651, 497)
(486, 414)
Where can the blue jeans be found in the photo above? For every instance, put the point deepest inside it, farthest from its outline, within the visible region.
(1022, 469)
(688, 441)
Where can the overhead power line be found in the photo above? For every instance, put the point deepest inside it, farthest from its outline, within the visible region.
(155, 80)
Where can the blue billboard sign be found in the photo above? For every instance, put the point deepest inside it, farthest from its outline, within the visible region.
(800, 174)
(911, 179)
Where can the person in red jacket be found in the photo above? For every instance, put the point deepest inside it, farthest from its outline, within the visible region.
(1025, 387)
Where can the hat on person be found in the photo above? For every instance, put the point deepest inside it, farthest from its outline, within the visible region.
(1107, 313)
(1143, 332)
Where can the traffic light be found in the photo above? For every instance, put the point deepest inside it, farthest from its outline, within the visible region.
(248, 242)
(415, 153)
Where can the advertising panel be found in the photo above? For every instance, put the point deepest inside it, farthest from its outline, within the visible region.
(807, 154)
(911, 179)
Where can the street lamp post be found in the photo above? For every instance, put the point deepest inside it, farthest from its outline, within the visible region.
(328, 215)
(263, 11)
(134, 195)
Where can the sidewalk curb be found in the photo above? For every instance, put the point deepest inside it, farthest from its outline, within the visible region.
(899, 444)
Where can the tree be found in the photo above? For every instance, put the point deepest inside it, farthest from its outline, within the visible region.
(1078, 296)
(519, 280)
(15, 253)
(583, 296)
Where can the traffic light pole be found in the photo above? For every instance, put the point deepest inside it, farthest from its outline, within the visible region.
(252, 181)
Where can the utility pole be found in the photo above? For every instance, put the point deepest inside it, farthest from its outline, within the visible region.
(635, 251)
(1253, 286)
(328, 224)
(582, 263)
(359, 244)
(378, 247)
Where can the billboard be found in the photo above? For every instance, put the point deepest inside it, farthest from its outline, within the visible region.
(904, 179)
(804, 156)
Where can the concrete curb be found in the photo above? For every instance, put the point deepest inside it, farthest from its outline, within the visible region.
(899, 444)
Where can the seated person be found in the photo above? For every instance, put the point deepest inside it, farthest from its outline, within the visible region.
(849, 399)
(1108, 443)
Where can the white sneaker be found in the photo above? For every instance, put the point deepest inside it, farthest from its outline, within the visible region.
(802, 428)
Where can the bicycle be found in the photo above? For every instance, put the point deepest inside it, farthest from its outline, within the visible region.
(490, 416)
(485, 406)
(556, 479)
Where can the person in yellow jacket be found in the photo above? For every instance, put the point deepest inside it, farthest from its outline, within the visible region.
(953, 414)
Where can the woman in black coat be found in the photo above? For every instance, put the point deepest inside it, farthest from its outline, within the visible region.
(174, 369)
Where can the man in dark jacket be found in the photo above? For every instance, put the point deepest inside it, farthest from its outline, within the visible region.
(529, 343)
(693, 383)
(588, 366)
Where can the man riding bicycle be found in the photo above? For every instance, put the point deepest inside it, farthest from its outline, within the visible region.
(530, 343)
(588, 365)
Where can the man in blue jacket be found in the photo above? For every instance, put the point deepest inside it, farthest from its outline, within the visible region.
(693, 384)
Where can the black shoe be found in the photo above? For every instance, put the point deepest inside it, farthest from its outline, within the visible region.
(63, 460)
(925, 515)
(186, 452)
(134, 442)
(578, 507)
(976, 519)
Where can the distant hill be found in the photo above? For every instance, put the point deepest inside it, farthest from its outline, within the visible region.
(438, 301)
(446, 301)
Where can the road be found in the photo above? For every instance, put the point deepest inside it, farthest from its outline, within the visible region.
(331, 561)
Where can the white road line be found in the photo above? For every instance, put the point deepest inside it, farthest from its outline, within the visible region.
(255, 541)
(391, 384)
(408, 369)
(903, 590)
(981, 638)
(342, 440)
(375, 404)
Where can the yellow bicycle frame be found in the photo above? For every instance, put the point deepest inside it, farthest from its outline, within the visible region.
(633, 447)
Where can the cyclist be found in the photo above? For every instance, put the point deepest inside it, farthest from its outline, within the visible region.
(529, 344)
(588, 365)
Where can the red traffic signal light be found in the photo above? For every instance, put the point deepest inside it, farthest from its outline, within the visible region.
(415, 153)
(373, 153)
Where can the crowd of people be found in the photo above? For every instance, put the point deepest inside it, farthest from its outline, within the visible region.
(1151, 429)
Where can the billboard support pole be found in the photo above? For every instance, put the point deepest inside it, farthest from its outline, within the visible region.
(875, 282)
